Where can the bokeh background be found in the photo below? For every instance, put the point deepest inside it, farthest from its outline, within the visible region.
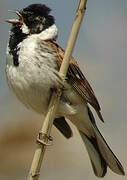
(101, 50)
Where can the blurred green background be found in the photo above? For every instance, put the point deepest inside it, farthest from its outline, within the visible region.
(101, 51)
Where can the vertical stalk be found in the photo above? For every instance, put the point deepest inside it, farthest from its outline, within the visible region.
(44, 134)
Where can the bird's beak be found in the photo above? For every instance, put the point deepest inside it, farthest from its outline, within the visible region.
(15, 21)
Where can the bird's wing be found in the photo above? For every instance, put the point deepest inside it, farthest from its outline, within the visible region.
(62, 125)
(76, 78)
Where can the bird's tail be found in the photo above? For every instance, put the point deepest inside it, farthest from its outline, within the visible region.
(100, 153)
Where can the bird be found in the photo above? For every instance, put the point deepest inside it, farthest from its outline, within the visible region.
(33, 60)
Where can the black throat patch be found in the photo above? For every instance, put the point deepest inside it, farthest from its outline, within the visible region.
(15, 38)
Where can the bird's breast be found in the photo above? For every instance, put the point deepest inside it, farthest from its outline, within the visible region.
(32, 80)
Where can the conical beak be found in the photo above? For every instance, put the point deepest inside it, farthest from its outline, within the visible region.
(15, 21)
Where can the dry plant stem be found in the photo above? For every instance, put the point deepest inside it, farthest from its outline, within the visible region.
(48, 122)
(73, 36)
(46, 128)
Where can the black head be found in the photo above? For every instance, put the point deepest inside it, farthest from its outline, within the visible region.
(33, 19)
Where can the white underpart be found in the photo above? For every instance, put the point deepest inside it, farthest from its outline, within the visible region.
(36, 74)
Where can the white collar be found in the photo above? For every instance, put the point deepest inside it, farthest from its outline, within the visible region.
(49, 34)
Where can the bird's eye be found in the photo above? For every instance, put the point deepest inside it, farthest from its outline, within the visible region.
(26, 14)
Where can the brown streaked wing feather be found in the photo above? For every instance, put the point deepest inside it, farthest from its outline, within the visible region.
(78, 81)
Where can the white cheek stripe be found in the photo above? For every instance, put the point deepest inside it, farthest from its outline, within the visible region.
(47, 34)
(25, 29)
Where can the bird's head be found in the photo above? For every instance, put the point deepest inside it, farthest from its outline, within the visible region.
(33, 19)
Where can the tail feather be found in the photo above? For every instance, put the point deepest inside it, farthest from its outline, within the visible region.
(98, 163)
(100, 153)
(107, 153)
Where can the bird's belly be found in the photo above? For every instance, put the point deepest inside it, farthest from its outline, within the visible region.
(34, 97)
(33, 85)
